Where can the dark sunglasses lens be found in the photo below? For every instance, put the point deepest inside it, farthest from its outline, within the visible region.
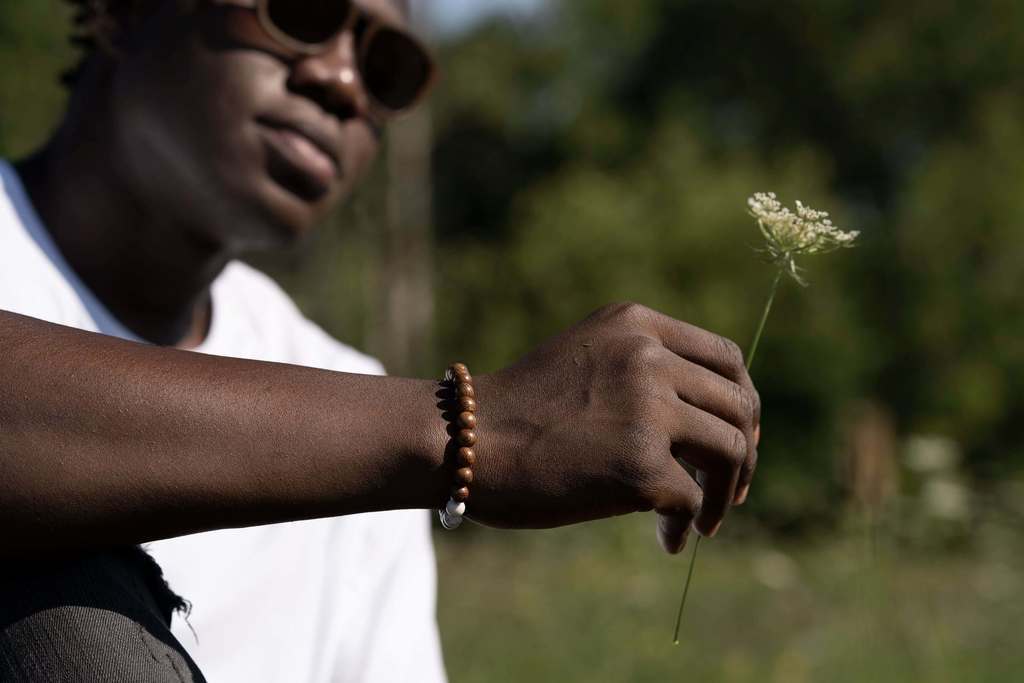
(309, 21)
(395, 68)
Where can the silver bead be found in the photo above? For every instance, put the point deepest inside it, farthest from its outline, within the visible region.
(449, 522)
(455, 508)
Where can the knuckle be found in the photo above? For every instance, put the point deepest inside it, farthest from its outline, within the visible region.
(607, 312)
(643, 355)
(636, 365)
(750, 404)
(730, 352)
(630, 311)
(736, 453)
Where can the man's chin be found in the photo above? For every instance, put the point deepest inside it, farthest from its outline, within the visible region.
(281, 219)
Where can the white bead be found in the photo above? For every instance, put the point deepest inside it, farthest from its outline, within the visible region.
(449, 522)
(455, 508)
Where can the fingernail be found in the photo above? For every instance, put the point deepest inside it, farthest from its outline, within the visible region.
(757, 435)
(679, 546)
(741, 495)
(683, 541)
(710, 534)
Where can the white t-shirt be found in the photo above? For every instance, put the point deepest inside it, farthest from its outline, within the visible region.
(345, 599)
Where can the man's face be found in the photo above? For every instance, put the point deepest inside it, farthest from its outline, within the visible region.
(249, 147)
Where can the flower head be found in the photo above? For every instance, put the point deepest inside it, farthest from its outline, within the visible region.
(788, 234)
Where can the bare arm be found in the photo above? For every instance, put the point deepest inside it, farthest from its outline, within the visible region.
(106, 442)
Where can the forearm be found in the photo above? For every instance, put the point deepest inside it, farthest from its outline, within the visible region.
(105, 442)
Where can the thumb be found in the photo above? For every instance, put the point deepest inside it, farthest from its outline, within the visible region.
(678, 505)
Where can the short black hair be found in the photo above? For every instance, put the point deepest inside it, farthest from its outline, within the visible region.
(94, 24)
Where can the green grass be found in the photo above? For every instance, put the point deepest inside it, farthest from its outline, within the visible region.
(597, 603)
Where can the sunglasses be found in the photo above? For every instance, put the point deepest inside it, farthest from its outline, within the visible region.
(395, 68)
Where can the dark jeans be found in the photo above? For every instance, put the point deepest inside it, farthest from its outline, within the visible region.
(96, 617)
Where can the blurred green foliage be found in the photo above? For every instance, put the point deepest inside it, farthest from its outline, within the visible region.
(605, 150)
(598, 604)
(34, 51)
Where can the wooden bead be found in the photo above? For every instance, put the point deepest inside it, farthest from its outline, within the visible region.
(467, 456)
(465, 422)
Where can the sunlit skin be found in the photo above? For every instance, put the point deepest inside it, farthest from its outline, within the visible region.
(170, 161)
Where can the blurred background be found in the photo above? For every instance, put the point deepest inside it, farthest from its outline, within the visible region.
(579, 152)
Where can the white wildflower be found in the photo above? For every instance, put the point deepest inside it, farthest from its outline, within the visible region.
(788, 234)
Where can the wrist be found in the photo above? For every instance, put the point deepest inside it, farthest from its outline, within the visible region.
(427, 438)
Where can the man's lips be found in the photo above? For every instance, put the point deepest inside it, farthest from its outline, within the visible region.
(306, 152)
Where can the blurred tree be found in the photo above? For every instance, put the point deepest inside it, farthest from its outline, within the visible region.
(604, 151)
(34, 50)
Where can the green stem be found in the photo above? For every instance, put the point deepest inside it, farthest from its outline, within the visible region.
(764, 318)
(750, 361)
(686, 589)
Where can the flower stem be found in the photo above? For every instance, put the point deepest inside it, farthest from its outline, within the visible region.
(686, 589)
(750, 361)
(764, 318)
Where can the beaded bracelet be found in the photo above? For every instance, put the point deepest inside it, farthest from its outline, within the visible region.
(457, 377)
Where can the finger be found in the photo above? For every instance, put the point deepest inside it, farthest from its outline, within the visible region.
(677, 503)
(745, 480)
(735, 403)
(719, 450)
(747, 472)
(673, 532)
(699, 346)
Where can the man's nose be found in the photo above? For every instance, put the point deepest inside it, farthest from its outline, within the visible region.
(332, 78)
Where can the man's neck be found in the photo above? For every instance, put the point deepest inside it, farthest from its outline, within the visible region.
(150, 270)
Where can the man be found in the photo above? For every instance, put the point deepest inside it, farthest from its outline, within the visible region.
(197, 132)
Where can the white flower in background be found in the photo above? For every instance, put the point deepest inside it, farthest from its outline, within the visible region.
(788, 234)
(946, 499)
(776, 570)
(928, 454)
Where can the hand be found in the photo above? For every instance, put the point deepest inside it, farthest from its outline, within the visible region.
(591, 424)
